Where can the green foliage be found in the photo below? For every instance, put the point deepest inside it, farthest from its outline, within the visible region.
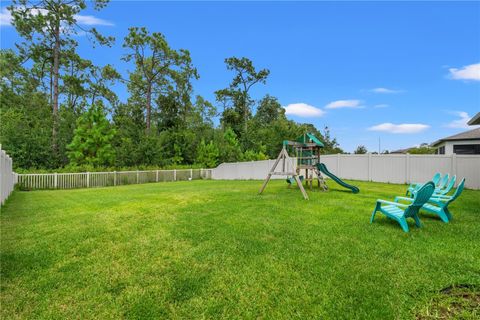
(229, 147)
(360, 150)
(251, 155)
(45, 103)
(207, 154)
(91, 144)
(422, 150)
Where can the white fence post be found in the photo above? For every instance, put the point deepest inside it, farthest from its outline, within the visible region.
(55, 180)
(191, 174)
(156, 176)
(369, 167)
(137, 176)
(407, 168)
(454, 164)
(88, 179)
(114, 178)
(174, 174)
(338, 164)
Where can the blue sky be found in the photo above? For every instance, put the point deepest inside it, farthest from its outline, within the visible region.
(405, 72)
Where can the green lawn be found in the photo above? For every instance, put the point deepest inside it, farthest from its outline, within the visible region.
(215, 249)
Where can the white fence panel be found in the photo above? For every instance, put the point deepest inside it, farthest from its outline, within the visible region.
(370, 167)
(391, 169)
(7, 176)
(38, 181)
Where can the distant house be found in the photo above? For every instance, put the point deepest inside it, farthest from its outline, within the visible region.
(475, 120)
(463, 143)
(400, 151)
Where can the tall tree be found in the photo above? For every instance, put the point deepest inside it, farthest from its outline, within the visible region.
(155, 64)
(237, 95)
(49, 27)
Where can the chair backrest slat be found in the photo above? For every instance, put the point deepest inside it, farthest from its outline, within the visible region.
(458, 191)
(443, 182)
(436, 178)
(420, 198)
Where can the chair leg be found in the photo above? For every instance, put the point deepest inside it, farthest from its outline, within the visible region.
(417, 221)
(377, 206)
(449, 215)
(443, 216)
(403, 224)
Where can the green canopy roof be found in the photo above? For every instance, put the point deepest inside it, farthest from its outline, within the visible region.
(310, 138)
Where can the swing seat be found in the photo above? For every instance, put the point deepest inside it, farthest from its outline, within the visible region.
(291, 180)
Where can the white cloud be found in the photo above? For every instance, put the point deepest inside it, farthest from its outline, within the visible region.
(86, 20)
(460, 123)
(470, 72)
(303, 110)
(344, 104)
(385, 90)
(5, 17)
(400, 128)
(91, 21)
(382, 105)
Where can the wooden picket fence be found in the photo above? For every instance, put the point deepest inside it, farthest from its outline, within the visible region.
(39, 181)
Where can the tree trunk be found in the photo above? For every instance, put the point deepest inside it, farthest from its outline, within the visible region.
(56, 67)
(149, 107)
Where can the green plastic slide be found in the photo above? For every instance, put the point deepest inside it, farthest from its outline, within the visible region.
(323, 169)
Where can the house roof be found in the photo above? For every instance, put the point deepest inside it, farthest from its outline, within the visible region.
(475, 120)
(401, 151)
(467, 135)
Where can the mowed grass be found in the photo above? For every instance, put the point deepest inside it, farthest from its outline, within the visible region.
(216, 249)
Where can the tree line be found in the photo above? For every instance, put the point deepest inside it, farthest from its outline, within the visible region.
(59, 109)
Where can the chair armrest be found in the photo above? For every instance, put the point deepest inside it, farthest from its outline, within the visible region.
(393, 203)
(440, 197)
(403, 198)
(436, 201)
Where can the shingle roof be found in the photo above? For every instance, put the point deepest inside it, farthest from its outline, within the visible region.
(475, 120)
(467, 135)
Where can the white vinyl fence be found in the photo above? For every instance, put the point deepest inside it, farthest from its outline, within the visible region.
(401, 168)
(37, 181)
(7, 176)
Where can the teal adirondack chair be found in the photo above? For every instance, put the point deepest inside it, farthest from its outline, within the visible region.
(415, 186)
(400, 212)
(438, 204)
(444, 191)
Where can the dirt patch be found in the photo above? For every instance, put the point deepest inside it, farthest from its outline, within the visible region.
(461, 301)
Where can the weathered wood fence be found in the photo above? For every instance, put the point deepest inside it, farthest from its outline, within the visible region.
(38, 181)
(7, 176)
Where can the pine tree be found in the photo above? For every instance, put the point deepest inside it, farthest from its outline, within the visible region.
(207, 154)
(91, 144)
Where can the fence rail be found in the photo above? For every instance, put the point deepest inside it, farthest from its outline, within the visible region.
(370, 167)
(7, 176)
(38, 181)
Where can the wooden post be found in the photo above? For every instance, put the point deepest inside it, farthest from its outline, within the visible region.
(191, 174)
(174, 174)
(114, 178)
(55, 180)
(88, 179)
(156, 176)
(137, 176)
